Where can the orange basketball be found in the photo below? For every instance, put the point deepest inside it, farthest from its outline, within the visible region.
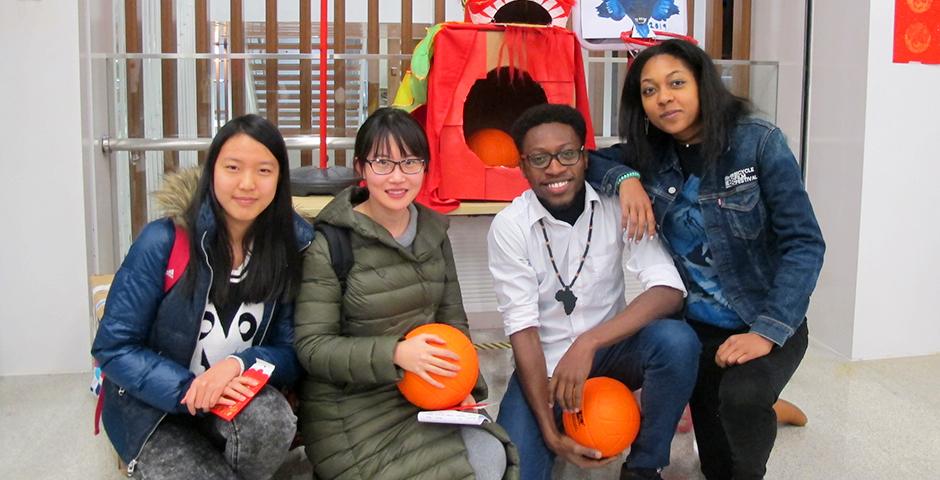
(494, 147)
(609, 418)
(429, 397)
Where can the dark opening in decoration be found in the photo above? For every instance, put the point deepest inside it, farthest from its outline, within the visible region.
(492, 105)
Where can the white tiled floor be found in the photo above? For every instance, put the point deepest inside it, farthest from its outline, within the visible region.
(867, 420)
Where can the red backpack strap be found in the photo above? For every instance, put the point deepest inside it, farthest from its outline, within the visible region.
(99, 405)
(179, 259)
(175, 266)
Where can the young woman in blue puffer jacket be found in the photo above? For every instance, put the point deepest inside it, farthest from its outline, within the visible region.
(168, 357)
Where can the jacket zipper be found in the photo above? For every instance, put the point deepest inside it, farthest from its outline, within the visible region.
(267, 325)
(131, 465)
(205, 255)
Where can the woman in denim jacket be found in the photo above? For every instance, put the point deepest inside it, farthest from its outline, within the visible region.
(727, 197)
(169, 356)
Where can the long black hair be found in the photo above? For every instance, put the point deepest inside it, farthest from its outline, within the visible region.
(389, 123)
(719, 109)
(274, 270)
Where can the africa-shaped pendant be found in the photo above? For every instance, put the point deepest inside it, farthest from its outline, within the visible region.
(565, 295)
(567, 299)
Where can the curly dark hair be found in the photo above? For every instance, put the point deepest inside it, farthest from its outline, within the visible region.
(547, 113)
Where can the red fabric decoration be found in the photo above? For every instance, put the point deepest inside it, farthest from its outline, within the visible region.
(465, 53)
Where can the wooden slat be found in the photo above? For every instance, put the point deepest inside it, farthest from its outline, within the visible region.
(237, 34)
(741, 46)
(203, 82)
(168, 74)
(690, 18)
(270, 65)
(440, 12)
(372, 46)
(714, 20)
(741, 36)
(306, 105)
(339, 77)
(407, 33)
(135, 116)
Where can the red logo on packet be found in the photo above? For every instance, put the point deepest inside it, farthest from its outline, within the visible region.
(260, 371)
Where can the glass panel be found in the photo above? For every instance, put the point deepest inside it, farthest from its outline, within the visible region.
(754, 80)
(202, 97)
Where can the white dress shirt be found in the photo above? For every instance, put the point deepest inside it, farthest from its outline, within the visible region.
(526, 283)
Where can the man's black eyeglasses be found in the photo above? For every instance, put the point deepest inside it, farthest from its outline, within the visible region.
(566, 157)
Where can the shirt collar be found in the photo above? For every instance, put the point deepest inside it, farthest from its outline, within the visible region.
(538, 212)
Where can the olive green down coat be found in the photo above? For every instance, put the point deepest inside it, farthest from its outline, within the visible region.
(355, 423)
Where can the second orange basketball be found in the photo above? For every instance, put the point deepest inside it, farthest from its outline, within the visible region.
(609, 419)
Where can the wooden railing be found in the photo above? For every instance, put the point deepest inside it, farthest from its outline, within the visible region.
(205, 71)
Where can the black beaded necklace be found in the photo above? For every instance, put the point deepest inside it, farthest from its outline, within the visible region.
(565, 295)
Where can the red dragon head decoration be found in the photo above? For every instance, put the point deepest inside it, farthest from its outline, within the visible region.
(544, 12)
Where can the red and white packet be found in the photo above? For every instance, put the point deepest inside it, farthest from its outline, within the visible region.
(260, 371)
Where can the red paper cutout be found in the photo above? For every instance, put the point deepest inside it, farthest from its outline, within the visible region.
(917, 31)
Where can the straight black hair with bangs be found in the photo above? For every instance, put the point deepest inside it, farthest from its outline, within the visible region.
(273, 274)
(385, 124)
(718, 107)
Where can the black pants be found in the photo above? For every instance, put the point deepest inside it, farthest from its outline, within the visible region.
(732, 408)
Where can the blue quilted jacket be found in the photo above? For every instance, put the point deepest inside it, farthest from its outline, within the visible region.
(147, 337)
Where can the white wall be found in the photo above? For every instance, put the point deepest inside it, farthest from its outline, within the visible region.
(835, 160)
(43, 278)
(872, 162)
(778, 32)
(899, 263)
(96, 37)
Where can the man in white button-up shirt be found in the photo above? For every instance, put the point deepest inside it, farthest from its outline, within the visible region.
(556, 257)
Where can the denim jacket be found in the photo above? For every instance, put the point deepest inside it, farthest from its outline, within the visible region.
(761, 229)
(147, 337)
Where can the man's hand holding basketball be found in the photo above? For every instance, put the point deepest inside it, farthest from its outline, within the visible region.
(567, 383)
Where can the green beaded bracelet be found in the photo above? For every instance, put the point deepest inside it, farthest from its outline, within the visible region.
(625, 176)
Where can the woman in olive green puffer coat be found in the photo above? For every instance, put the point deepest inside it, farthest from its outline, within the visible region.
(354, 421)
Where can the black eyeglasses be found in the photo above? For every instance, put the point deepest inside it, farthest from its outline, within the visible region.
(385, 166)
(566, 157)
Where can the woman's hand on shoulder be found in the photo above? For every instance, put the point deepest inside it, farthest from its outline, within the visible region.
(636, 210)
(418, 355)
(208, 387)
(742, 348)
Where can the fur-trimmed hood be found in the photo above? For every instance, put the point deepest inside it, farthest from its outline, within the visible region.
(174, 196)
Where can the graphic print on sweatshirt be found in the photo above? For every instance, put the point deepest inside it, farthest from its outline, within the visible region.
(684, 227)
(226, 329)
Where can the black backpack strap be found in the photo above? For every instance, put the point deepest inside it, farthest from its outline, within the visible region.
(341, 255)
